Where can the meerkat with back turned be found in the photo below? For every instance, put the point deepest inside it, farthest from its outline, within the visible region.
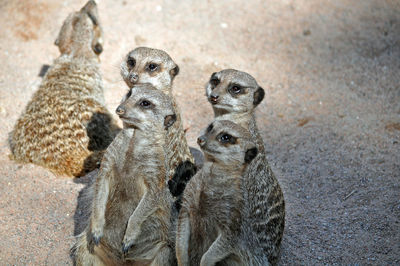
(66, 125)
(147, 65)
(130, 220)
(210, 221)
(234, 95)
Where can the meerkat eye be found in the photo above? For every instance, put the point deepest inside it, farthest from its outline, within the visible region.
(225, 138)
(131, 62)
(214, 81)
(236, 89)
(129, 94)
(152, 67)
(145, 104)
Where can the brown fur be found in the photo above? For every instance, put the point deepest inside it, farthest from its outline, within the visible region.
(265, 205)
(161, 78)
(130, 218)
(211, 218)
(66, 126)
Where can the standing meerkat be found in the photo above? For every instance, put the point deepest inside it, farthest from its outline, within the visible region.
(130, 218)
(147, 65)
(66, 126)
(211, 218)
(234, 95)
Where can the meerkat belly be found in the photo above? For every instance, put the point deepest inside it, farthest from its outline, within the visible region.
(120, 206)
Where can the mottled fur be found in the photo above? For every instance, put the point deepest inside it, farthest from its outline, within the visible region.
(130, 219)
(66, 126)
(147, 65)
(234, 95)
(211, 218)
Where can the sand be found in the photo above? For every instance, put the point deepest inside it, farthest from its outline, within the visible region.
(330, 118)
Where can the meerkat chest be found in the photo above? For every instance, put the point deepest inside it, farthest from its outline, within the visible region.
(219, 198)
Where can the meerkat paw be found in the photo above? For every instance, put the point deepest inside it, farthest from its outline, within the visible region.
(183, 173)
(126, 247)
(93, 237)
(129, 240)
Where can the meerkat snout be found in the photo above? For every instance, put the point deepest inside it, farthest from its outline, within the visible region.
(201, 140)
(133, 77)
(214, 98)
(120, 110)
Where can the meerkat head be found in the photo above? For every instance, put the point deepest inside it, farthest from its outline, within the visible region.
(81, 33)
(233, 91)
(147, 65)
(146, 108)
(228, 144)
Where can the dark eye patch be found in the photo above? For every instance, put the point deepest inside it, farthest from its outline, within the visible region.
(209, 128)
(236, 89)
(226, 138)
(145, 104)
(129, 94)
(131, 62)
(214, 81)
(152, 67)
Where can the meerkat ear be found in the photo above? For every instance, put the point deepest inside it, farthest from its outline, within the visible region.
(258, 96)
(169, 120)
(91, 10)
(175, 71)
(64, 35)
(250, 154)
(93, 18)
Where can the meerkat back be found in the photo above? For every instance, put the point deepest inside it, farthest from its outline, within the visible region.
(66, 126)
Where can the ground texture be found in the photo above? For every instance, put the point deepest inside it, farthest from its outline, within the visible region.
(330, 119)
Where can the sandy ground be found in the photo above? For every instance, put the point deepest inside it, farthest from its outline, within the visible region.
(330, 119)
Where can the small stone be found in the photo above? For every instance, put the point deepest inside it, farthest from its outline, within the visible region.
(3, 110)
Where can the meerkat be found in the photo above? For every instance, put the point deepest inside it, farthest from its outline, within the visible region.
(234, 95)
(66, 125)
(210, 221)
(148, 65)
(130, 218)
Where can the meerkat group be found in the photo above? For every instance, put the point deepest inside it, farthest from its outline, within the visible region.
(150, 203)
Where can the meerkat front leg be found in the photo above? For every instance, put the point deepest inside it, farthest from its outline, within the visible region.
(218, 250)
(144, 209)
(97, 222)
(182, 239)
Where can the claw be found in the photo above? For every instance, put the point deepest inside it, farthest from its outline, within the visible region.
(92, 241)
(96, 240)
(126, 247)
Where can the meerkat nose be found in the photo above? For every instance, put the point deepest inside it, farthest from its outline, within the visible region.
(120, 110)
(133, 77)
(214, 98)
(201, 141)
